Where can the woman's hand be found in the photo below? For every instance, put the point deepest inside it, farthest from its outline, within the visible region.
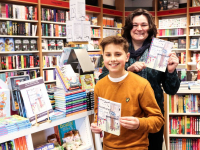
(172, 62)
(137, 67)
(95, 128)
(131, 123)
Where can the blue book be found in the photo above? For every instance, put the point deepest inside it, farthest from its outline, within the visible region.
(2, 45)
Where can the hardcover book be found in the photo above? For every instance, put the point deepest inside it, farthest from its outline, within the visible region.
(18, 44)
(9, 44)
(159, 54)
(36, 99)
(181, 43)
(109, 122)
(26, 44)
(87, 81)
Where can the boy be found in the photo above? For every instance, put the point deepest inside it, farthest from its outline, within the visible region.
(140, 113)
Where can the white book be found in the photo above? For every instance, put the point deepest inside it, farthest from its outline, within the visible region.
(109, 113)
(159, 54)
(36, 99)
(192, 20)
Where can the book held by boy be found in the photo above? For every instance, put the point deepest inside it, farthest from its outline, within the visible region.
(109, 113)
(159, 54)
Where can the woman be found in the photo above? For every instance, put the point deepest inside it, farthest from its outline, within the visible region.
(139, 30)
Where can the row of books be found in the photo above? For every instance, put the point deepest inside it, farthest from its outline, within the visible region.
(95, 32)
(195, 57)
(182, 57)
(177, 125)
(49, 75)
(32, 73)
(16, 144)
(51, 61)
(93, 20)
(179, 43)
(194, 31)
(19, 61)
(53, 30)
(188, 75)
(93, 44)
(52, 44)
(17, 28)
(169, 32)
(17, 44)
(173, 23)
(184, 104)
(112, 22)
(18, 11)
(110, 32)
(54, 15)
(90, 100)
(193, 125)
(184, 144)
(195, 20)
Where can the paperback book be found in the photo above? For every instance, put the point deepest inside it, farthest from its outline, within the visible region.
(36, 99)
(4, 102)
(159, 54)
(109, 113)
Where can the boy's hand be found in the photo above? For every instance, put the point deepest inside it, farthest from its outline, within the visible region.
(172, 62)
(95, 128)
(131, 123)
(137, 67)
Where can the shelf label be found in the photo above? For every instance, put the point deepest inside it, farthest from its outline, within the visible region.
(55, 3)
(113, 12)
(92, 8)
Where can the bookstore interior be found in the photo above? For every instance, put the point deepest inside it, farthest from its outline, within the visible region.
(51, 59)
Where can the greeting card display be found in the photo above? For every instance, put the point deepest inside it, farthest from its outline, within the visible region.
(159, 54)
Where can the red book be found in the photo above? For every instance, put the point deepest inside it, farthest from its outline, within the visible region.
(9, 62)
(25, 147)
(16, 144)
(25, 66)
(36, 13)
(191, 125)
(31, 62)
(20, 143)
(179, 118)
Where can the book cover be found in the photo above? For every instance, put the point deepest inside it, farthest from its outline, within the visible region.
(44, 45)
(159, 54)
(59, 44)
(18, 44)
(65, 55)
(37, 100)
(4, 102)
(51, 44)
(194, 43)
(66, 127)
(9, 44)
(2, 44)
(87, 81)
(181, 43)
(33, 44)
(26, 44)
(109, 122)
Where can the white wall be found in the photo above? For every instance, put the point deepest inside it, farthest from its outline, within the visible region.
(109, 2)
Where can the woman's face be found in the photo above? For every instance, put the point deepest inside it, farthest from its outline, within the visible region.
(140, 28)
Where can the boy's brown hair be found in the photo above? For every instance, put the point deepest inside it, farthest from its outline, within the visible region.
(117, 40)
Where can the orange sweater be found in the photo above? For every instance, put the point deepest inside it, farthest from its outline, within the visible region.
(142, 104)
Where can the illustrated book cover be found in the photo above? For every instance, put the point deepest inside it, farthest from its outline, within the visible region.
(4, 102)
(87, 81)
(36, 99)
(109, 113)
(159, 54)
(9, 44)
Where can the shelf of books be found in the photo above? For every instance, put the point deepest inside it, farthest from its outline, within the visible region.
(183, 118)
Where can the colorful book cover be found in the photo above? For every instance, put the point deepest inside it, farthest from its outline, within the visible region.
(87, 81)
(65, 55)
(159, 54)
(194, 43)
(37, 100)
(109, 122)
(66, 127)
(2, 44)
(4, 102)
(9, 44)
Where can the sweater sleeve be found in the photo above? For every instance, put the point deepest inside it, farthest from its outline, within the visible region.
(171, 82)
(154, 119)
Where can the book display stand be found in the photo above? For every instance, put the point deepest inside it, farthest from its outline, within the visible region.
(46, 121)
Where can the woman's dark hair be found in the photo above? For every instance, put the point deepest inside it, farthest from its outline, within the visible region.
(129, 23)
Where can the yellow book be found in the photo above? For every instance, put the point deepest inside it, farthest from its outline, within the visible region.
(22, 61)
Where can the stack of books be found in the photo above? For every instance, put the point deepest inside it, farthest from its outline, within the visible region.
(70, 102)
(12, 124)
(57, 115)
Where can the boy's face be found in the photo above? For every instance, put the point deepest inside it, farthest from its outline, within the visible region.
(114, 60)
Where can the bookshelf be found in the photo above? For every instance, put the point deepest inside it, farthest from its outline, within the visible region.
(182, 91)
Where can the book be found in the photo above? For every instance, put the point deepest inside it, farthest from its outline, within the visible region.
(33, 44)
(59, 44)
(194, 43)
(26, 44)
(64, 56)
(2, 44)
(18, 44)
(87, 81)
(109, 122)
(159, 54)
(4, 103)
(36, 99)
(181, 43)
(9, 44)
(195, 3)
